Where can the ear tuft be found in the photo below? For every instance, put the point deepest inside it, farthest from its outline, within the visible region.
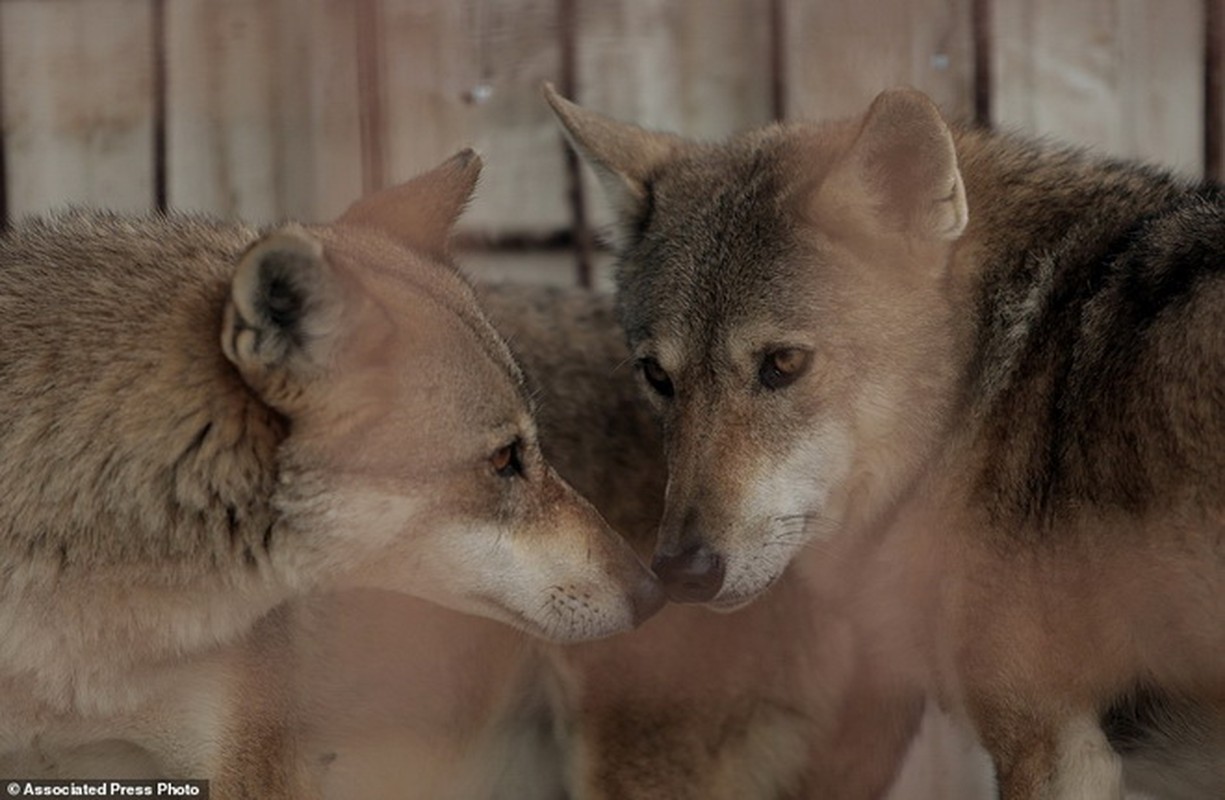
(901, 171)
(623, 156)
(283, 304)
(421, 212)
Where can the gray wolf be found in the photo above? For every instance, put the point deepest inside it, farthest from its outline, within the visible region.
(202, 421)
(786, 697)
(994, 365)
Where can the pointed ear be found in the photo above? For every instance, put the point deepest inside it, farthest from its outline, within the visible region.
(623, 156)
(900, 173)
(421, 212)
(282, 315)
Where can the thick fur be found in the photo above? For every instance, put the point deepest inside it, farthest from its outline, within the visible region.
(202, 421)
(1013, 396)
(786, 698)
(393, 697)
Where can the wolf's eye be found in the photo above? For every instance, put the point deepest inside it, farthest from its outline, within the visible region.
(656, 376)
(780, 368)
(505, 461)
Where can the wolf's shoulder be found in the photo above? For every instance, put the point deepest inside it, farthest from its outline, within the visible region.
(1105, 365)
(113, 386)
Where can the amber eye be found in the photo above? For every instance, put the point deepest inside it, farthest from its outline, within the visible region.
(505, 461)
(656, 376)
(780, 368)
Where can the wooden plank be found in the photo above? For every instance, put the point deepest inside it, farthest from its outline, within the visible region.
(1125, 76)
(77, 83)
(263, 108)
(840, 54)
(221, 103)
(323, 143)
(469, 74)
(689, 66)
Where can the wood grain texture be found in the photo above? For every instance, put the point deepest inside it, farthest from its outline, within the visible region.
(689, 66)
(839, 55)
(262, 108)
(1123, 76)
(1214, 89)
(78, 102)
(462, 74)
(697, 68)
(292, 108)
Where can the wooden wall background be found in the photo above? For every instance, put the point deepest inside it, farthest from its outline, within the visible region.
(268, 109)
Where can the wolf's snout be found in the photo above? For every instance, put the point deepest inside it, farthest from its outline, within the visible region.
(694, 575)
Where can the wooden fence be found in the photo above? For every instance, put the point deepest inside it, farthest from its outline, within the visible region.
(266, 109)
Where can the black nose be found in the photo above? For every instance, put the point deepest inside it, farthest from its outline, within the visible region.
(694, 575)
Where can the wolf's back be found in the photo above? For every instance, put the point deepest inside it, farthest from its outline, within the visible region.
(1098, 365)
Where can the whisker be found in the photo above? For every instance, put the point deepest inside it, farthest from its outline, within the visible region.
(627, 360)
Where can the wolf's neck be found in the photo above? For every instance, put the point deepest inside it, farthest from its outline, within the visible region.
(1048, 228)
(82, 651)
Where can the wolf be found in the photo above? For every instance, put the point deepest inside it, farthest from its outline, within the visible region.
(993, 365)
(203, 421)
(785, 698)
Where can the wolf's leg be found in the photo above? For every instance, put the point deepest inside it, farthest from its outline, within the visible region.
(258, 751)
(1043, 761)
(1087, 766)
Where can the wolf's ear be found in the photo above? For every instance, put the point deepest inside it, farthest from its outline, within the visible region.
(421, 212)
(623, 156)
(282, 314)
(901, 171)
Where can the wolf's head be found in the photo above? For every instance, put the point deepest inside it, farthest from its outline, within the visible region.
(785, 296)
(412, 461)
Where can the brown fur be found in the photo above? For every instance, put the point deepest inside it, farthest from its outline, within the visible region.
(400, 698)
(1022, 412)
(395, 697)
(201, 421)
(786, 698)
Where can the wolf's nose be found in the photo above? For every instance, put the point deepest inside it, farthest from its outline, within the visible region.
(694, 575)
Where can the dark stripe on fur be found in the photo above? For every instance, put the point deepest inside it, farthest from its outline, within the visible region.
(1089, 374)
(1132, 719)
(642, 220)
(194, 445)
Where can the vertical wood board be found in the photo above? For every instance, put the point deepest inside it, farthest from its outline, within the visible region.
(840, 55)
(263, 108)
(466, 74)
(1123, 76)
(688, 66)
(78, 104)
